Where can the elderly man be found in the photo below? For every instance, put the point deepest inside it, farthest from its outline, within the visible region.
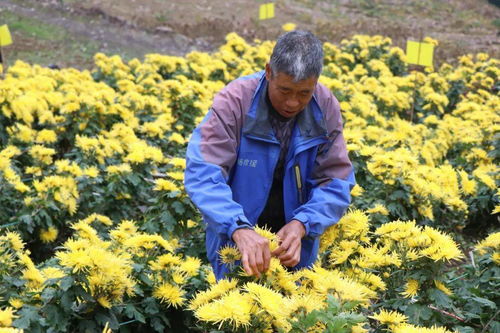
(271, 152)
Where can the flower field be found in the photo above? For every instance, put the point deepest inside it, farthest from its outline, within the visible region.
(98, 235)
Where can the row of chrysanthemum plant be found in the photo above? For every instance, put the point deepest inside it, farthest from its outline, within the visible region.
(401, 277)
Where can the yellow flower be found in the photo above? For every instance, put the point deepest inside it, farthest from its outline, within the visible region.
(229, 254)
(390, 317)
(16, 303)
(491, 242)
(170, 294)
(442, 246)
(49, 235)
(357, 190)
(411, 288)
(119, 168)
(442, 287)
(177, 138)
(177, 162)
(6, 317)
(46, 136)
(52, 273)
(191, 224)
(91, 172)
(190, 266)
(104, 301)
(165, 185)
(176, 175)
(378, 209)
(216, 290)
(289, 26)
(15, 241)
(359, 329)
(234, 308)
(41, 153)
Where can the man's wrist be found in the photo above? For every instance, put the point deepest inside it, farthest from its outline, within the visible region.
(239, 222)
(241, 225)
(302, 228)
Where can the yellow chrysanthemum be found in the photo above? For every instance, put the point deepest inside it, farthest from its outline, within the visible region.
(235, 309)
(440, 285)
(6, 317)
(411, 288)
(390, 317)
(49, 235)
(229, 254)
(170, 294)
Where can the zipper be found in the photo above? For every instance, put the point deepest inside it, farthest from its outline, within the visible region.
(262, 139)
(301, 147)
(298, 182)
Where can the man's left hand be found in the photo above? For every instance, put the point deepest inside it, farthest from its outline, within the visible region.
(290, 243)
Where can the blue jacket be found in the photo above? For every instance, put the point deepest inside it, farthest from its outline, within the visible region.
(231, 158)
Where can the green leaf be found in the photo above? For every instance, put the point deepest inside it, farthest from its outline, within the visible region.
(66, 283)
(157, 324)
(55, 317)
(485, 302)
(27, 315)
(440, 299)
(132, 312)
(495, 327)
(67, 300)
(464, 329)
(418, 313)
(151, 306)
(48, 294)
(178, 207)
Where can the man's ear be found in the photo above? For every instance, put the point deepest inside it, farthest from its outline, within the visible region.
(268, 72)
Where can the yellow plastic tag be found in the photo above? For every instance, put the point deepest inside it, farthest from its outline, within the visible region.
(270, 10)
(419, 53)
(5, 37)
(266, 11)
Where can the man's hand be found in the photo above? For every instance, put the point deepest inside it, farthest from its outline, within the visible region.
(290, 243)
(255, 253)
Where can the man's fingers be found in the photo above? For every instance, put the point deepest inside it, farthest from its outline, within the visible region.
(267, 259)
(281, 234)
(290, 263)
(246, 266)
(253, 265)
(283, 246)
(291, 252)
(293, 261)
(259, 261)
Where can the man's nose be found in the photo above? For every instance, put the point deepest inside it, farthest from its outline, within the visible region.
(292, 102)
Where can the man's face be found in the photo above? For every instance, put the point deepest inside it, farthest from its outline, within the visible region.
(287, 97)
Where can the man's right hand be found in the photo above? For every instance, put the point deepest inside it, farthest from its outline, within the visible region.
(254, 249)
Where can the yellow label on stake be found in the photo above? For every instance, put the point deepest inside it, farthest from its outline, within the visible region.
(5, 37)
(270, 10)
(266, 11)
(419, 53)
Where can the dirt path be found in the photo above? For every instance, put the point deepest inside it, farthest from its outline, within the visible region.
(69, 32)
(109, 32)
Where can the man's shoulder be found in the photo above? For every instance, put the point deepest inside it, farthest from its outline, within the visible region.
(243, 86)
(329, 105)
(325, 98)
(238, 93)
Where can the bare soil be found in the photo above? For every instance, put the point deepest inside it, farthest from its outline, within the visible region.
(133, 28)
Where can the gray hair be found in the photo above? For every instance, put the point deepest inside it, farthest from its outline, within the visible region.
(299, 54)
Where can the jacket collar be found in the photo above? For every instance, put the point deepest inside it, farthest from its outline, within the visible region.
(310, 121)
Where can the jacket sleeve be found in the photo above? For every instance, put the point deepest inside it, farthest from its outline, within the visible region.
(332, 178)
(210, 155)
